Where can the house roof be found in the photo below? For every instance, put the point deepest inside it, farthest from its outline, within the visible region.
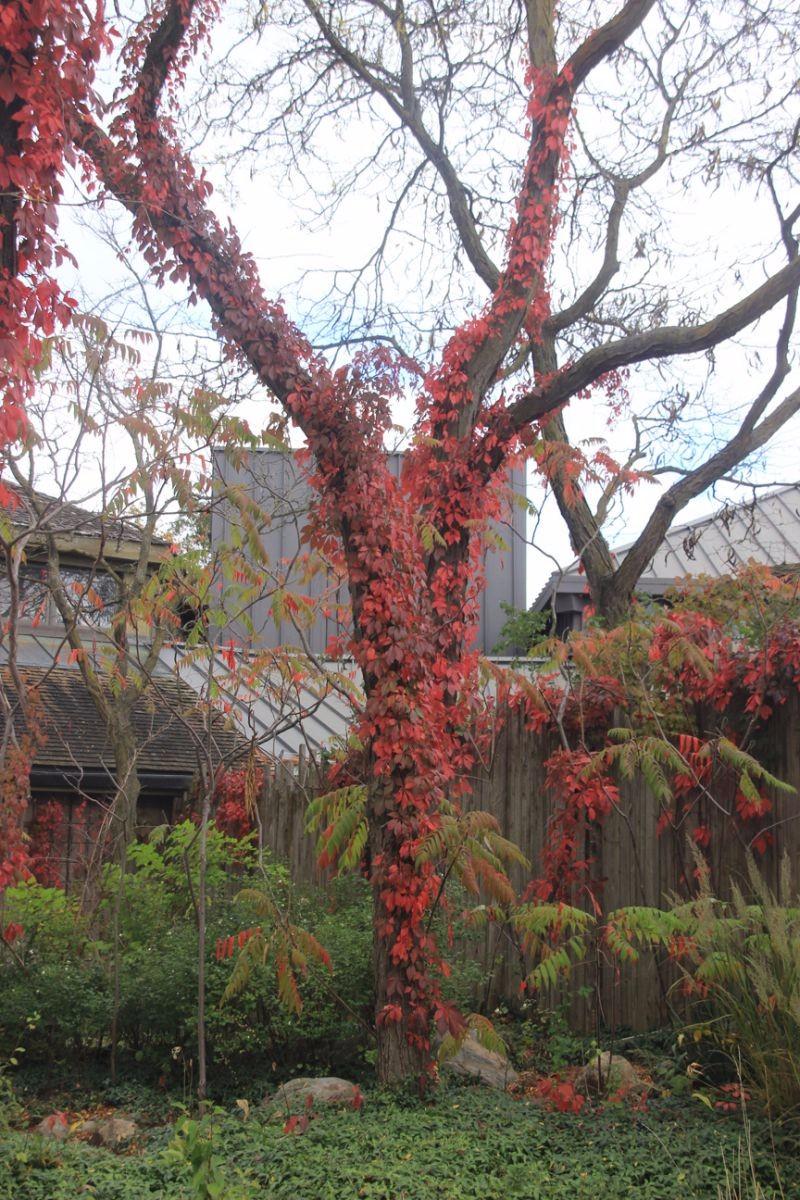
(311, 715)
(275, 715)
(70, 521)
(168, 721)
(282, 718)
(765, 530)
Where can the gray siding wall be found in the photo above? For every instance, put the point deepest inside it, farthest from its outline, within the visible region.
(277, 485)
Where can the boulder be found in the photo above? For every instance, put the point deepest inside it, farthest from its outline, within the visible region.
(55, 1126)
(326, 1090)
(110, 1132)
(607, 1072)
(474, 1061)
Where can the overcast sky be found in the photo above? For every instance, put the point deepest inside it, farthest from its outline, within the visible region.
(296, 253)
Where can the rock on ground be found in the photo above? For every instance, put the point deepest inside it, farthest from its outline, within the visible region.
(474, 1061)
(109, 1131)
(327, 1090)
(55, 1126)
(608, 1073)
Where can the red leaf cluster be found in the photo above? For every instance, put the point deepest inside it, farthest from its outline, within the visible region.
(560, 1094)
(47, 63)
(226, 947)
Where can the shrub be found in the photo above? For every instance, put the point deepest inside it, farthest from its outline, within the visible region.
(58, 964)
(54, 969)
(331, 1029)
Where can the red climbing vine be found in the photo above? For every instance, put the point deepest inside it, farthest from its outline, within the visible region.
(14, 791)
(47, 61)
(48, 842)
(235, 794)
(682, 696)
(411, 548)
(48, 53)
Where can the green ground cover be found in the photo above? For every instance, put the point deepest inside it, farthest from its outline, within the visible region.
(466, 1143)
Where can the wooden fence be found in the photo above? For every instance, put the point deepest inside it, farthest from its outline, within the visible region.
(282, 810)
(636, 865)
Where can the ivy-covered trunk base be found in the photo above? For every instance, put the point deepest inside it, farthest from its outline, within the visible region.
(399, 1060)
(404, 955)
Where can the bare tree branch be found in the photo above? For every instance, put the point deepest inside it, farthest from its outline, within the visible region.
(655, 344)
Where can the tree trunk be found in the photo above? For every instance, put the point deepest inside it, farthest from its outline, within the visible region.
(612, 600)
(399, 1057)
(398, 1061)
(123, 816)
(126, 800)
(202, 909)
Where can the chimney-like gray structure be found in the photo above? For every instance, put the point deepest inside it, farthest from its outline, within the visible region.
(278, 486)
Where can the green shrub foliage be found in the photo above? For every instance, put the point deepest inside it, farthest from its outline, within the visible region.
(60, 968)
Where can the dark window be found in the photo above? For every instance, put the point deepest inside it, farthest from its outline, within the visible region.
(34, 597)
(566, 622)
(92, 595)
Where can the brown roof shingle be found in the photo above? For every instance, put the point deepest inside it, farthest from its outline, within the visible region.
(168, 719)
(61, 516)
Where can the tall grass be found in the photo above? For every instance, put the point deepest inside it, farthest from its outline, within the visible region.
(749, 959)
(741, 1180)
